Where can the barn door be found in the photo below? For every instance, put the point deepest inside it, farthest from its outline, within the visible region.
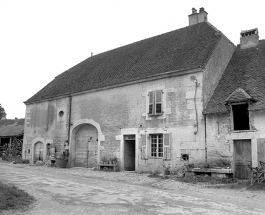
(86, 146)
(242, 158)
(38, 152)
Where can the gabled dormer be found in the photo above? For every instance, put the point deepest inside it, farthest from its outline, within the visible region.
(239, 102)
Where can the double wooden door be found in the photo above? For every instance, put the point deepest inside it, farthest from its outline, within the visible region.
(86, 146)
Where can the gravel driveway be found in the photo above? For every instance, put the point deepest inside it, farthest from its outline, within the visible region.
(83, 191)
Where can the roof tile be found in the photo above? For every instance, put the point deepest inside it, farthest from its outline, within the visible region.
(181, 49)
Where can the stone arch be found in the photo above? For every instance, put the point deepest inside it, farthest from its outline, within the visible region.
(36, 142)
(44, 142)
(73, 132)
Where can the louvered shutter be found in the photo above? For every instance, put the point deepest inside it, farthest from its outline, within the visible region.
(158, 102)
(143, 146)
(167, 147)
(151, 103)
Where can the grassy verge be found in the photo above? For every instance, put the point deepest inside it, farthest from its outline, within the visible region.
(12, 198)
(230, 183)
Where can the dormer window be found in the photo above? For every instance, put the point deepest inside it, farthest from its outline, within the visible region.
(240, 117)
(239, 101)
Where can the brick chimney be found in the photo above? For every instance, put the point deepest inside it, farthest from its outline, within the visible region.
(249, 38)
(196, 18)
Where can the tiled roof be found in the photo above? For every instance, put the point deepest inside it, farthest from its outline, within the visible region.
(246, 70)
(182, 49)
(6, 122)
(11, 131)
(238, 95)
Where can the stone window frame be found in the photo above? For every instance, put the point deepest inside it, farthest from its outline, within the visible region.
(165, 110)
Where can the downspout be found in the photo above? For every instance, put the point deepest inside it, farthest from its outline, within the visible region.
(205, 137)
(69, 122)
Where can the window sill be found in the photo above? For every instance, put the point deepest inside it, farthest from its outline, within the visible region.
(154, 115)
(156, 158)
(240, 131)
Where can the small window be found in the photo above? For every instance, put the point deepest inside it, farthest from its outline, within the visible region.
(155, 102)
(240, 117)
(184, 157)
(61, 113)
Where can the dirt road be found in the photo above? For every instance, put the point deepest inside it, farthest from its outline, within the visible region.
(66, 192)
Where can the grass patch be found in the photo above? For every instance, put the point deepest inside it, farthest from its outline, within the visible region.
(154, 174)
(12, 198)
(230, 183)
(206, 179)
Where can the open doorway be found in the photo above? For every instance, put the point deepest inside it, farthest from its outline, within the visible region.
(129, 152)
(240, 117)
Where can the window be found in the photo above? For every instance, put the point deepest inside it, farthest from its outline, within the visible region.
(155, 102)
(156, 145)
(61, 113)
(240, 117)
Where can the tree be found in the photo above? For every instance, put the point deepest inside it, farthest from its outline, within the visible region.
(2, 112)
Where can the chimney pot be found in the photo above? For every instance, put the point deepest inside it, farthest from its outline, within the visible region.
(201, 9)
(194, 10)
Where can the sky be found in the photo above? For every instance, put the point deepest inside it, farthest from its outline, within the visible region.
(40, 39)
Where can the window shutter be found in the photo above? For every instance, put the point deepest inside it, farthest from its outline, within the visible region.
(151, 102)
(143, 146)
(167, 147)
(158, 102)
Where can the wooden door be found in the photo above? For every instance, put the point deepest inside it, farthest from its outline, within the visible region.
(261, 150)
(38, 151)
(86, 146)
(242, 158)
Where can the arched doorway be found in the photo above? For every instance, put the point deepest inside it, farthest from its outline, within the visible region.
(86, 146)
(38, 152)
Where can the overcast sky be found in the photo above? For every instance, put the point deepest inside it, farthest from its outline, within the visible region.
(42, 38)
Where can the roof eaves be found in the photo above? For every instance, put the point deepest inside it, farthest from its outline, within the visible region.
(153, 77)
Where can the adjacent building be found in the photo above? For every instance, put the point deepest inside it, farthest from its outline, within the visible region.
(235, 114)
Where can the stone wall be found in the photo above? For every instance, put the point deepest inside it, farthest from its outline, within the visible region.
(43, 124)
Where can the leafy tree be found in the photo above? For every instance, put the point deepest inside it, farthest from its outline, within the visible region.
(2, 112)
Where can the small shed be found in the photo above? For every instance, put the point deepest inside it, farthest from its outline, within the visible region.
(11, 140)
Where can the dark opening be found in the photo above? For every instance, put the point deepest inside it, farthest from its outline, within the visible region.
(61, 113)
(129, 153)
(241, 117)
(185, 157)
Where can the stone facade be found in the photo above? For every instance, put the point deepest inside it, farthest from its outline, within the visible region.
(123, 111)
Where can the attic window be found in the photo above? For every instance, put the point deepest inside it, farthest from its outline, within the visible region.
(240, 117)
(61, 113)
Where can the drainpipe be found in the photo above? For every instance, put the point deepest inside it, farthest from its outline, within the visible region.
(69, 120)
(205, 137)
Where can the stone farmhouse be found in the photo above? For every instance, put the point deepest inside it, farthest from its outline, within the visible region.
(174, 98)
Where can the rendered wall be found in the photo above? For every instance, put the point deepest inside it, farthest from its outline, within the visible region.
(42, 123)
(122, 111)
(220, 135)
